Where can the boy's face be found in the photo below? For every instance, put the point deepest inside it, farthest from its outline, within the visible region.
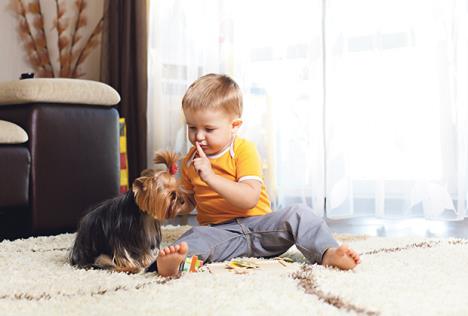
(213, 130)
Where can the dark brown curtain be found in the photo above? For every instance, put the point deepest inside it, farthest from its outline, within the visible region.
(124, 67)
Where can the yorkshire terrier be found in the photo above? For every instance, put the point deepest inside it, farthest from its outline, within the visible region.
(123, 234)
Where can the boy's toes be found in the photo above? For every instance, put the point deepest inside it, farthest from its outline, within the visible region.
(341, 250)
(183, 247)
(166, 251)
(354, 255)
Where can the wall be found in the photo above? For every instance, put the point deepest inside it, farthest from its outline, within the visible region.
(13, 60)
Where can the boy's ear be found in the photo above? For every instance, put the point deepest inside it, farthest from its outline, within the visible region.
(236, 123)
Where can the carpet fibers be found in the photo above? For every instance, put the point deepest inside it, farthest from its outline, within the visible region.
(398, 276)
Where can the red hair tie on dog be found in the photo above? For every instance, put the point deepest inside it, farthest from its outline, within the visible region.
(173, 169)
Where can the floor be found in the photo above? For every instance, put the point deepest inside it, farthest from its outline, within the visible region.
(398, 228)
(381, 227)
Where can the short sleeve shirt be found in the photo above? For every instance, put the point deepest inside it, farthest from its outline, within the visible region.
(241, 161)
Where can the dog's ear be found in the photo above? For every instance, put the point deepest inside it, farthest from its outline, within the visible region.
(139, 185)
(142, 188)
(179, 204)
(173, 207)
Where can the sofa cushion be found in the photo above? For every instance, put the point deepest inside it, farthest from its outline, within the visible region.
(11, 133)
(15, 165)
(57, 90)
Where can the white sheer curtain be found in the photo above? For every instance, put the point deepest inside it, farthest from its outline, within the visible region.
(396, 110)
(275, 55)
(364, 102)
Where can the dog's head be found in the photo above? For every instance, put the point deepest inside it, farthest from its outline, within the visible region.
(157, 191)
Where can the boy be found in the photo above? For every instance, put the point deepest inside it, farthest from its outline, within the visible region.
(224, 174)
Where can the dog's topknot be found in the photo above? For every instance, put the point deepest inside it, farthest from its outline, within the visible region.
(168, 158)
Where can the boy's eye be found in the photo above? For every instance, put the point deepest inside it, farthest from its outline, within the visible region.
(191, 128)
(210, 129)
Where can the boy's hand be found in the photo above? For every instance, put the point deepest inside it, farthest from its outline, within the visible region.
(202, 164)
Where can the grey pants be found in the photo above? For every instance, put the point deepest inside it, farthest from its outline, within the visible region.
(262, 236)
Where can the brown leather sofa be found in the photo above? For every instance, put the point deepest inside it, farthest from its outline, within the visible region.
(70, 162)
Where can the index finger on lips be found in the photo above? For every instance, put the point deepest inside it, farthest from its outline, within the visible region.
(200, 151)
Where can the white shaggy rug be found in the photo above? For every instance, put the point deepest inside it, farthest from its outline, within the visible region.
(399, 276)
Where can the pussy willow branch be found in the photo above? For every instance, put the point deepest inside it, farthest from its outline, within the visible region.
(61, 39)
(41, 38)
(90, 44)
(79, 23)
(27, 36)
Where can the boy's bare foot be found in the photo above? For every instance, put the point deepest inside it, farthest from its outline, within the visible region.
(170, 258)
(342, 257)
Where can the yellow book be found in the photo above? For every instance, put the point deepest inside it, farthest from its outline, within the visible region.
(123, 156)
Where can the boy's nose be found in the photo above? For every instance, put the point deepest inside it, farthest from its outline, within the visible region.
(200, 136)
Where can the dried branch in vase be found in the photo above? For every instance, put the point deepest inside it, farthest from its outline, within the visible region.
(61, 24)
(27, 37)
(71, 53)
(34, 9)
(80, 23)
(92, 42)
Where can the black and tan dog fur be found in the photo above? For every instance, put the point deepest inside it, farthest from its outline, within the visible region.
(124, 233)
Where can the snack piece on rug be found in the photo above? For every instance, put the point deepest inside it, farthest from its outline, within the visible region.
(191, 264)
(252, 265)
(242, 263)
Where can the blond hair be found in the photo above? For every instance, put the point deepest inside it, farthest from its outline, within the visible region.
(214, 92)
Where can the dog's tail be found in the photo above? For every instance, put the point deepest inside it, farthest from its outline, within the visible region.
(168, 158)
(128, 266)
(104, 262)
